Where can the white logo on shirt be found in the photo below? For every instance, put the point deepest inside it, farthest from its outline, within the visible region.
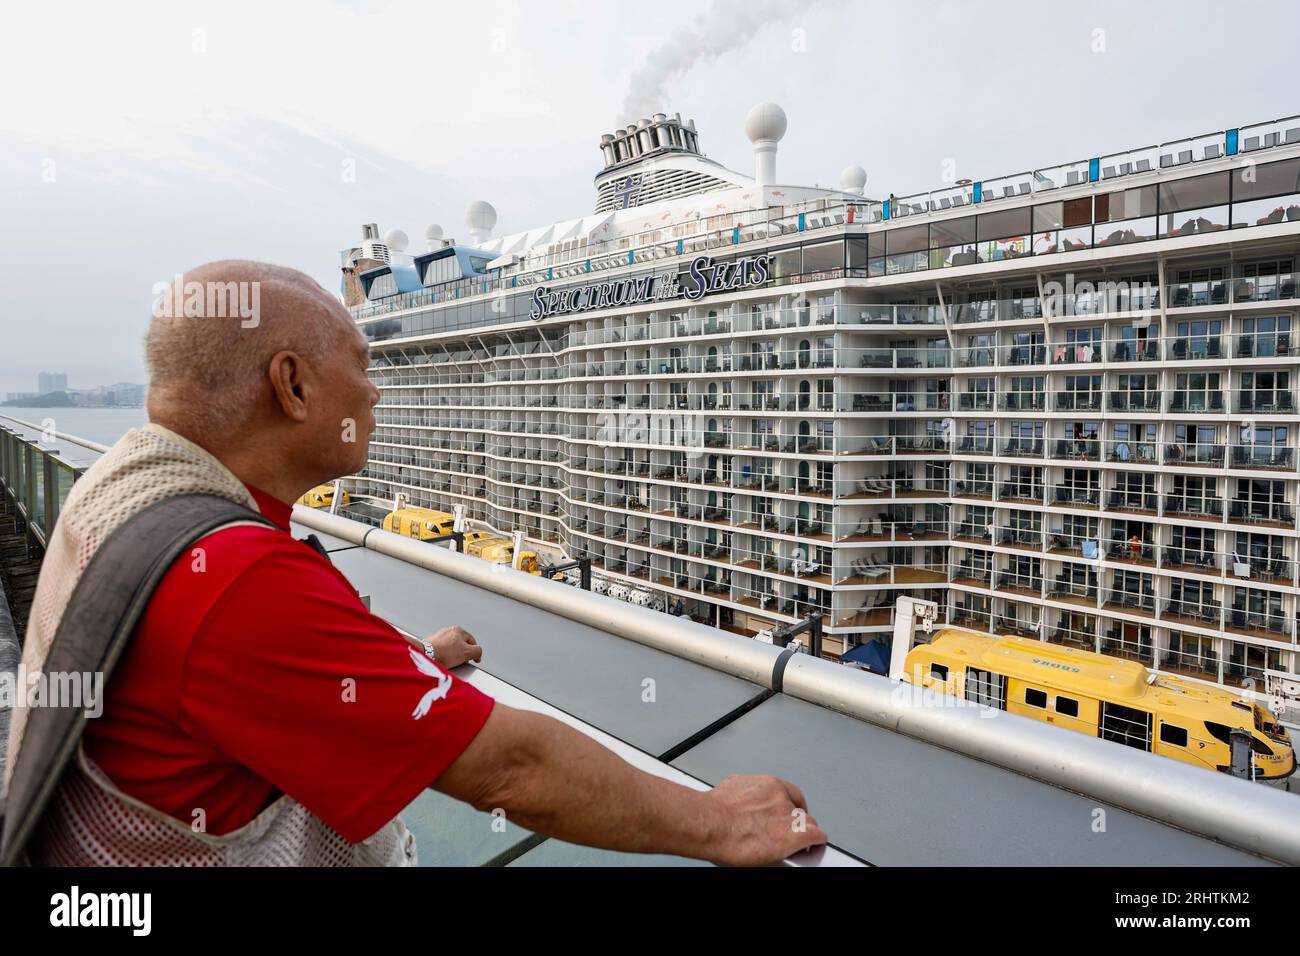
(443, 688)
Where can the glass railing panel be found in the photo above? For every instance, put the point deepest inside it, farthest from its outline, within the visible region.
(38, 490)
(1271, 457)
(1266, 401)
(1280, 132)
(907, 262)
(1192, 150)
(1024, 447)
(1127, 450)
(974, 445)
(1072, 239)
(1127, 231)
(1067, 353)
(955, 197)
(1006, 187)
(1264, 288)
(1086, 449)
(1132, 401)
(1078, 401)
(1197, 401)
(973, 489)
(1194, 348)
(1194, 221)
(1147, 350)
(1266, 212)
(1054, 177)
(1263, 345)
(1017, 355)
(903, 206)
(976, 357)
(964, 254)
(1019, 536)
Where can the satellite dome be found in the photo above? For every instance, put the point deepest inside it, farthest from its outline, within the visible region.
(480, 216)
(433, 232)
(396, 240)
(765, 121)
(853, 179)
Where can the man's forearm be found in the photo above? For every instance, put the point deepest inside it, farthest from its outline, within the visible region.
(551, 779)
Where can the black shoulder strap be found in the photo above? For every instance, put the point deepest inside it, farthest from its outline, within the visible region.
(101, 616)
(314, 543)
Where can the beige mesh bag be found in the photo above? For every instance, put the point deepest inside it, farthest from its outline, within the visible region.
(89, 821)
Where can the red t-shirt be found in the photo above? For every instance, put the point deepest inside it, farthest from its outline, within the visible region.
(257, 671)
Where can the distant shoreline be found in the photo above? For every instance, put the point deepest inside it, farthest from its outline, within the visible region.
(99, 423)
(67, 398)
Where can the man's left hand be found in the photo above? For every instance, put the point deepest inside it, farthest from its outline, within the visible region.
(453, 646)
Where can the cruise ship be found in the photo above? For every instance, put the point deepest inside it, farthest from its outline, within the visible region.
(1058, 403)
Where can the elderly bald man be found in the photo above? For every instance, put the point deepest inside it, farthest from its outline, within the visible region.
(228, 734)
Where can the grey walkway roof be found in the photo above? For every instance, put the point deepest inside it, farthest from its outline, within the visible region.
(883, 797)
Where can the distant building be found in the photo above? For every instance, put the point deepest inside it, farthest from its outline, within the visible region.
(18, 396)
(124, 393)
(51, 382)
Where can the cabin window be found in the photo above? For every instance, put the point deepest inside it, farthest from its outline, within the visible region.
(1125, 725)
(1067, 706)
(1177, 736)
(939, 671)
(987, 688)
(1219, 732)
(1035, 697)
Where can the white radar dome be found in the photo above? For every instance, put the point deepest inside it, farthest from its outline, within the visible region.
(853, 179)
(480, 216)
(396, 240)
(765, 121)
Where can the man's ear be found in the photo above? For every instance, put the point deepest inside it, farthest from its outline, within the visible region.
(287, 373)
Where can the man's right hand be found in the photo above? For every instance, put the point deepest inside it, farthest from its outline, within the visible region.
(453, 646)
(549, 778)
(760, 820)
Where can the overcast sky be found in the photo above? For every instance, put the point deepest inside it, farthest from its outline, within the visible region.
(140, 139)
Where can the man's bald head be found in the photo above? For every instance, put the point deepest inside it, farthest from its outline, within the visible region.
(213, 336)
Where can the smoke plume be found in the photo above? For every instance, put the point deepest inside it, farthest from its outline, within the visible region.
(726, 26)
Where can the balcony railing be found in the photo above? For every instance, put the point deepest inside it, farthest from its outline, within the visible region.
(1266, 402)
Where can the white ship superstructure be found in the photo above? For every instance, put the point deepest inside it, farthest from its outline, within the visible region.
(1059, 403)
